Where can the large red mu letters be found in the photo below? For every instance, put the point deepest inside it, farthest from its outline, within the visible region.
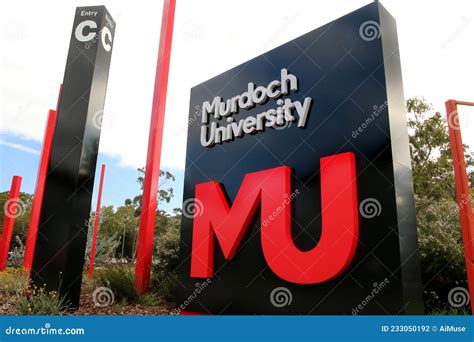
(272, 189)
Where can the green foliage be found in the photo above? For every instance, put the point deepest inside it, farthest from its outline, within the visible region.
(150, 299)
(13, 279)
(16, 254)
(451, 312)
(117, 237)
(24, 211)
(120, 227)
(105, 247)
(37, 301)
(121, 280)
(439, 231)
(164, 280)
(164, 195)
(430, 152)
(165, 284)
(441, 250)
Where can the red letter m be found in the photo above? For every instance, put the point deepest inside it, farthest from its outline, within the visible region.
(271, 188)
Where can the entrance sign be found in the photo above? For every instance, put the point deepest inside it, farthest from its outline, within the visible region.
(62, 233)
(299, 174)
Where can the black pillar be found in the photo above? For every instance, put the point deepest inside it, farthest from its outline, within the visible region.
(62, 235)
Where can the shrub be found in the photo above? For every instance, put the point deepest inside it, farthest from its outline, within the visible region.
(38, 301)
(150, 299)
(451, 312)
(441, 250)
(13, 279)
(16, 255)
(121, 280)
(164, 279)
(105, 246)
(165, 285)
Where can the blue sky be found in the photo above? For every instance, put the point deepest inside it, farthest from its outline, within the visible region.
(20, 157)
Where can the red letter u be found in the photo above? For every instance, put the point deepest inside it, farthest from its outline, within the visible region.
(272, 188)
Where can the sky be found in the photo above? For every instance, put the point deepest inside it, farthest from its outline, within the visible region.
(210, 37)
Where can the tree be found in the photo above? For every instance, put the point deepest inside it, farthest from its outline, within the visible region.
(164, 195)
(124, 220)
(430, 150)
(22, 219)
(439, 231)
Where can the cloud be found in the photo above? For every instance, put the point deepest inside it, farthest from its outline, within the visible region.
(19, 147)
(205, 43)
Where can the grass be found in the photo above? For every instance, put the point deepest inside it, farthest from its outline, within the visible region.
(150, 299)
(165, 285)
(13, 279)
(450, 311)
(121, 280)
(38, 301)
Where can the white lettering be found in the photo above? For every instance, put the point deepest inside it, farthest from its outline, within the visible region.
(286, 111)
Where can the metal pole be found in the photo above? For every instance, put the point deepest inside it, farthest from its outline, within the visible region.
(462, 189)
(152, 172)
(11, 212)
(39, 190)
(96, 222)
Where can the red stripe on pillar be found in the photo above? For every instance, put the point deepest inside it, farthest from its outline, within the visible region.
(152, 172)
(96, 223)
(12, 210)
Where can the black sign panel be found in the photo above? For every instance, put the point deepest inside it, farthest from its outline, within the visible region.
(344, 90)
(60, 247)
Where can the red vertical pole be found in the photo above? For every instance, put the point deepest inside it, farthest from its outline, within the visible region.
(152, 171)
(39, 190)
(38, 197)
(96, 223)
(462, 189)
(11, 212)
